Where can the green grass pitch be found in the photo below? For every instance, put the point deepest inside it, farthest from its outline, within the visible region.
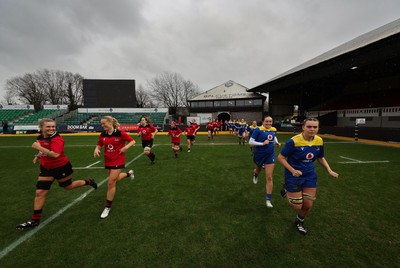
(201, 210)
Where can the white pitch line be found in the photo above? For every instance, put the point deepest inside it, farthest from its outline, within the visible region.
(93, 164)
(87, 168)
(33, 231)
(364, 162)
(355, 160)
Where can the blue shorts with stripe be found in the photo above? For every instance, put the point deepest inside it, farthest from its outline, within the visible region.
(263, 159)
(296, 184)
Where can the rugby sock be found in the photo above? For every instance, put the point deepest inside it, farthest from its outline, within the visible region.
(151, 156)
(268, 196)
(299, 218)
(37, 214)
(108, 203)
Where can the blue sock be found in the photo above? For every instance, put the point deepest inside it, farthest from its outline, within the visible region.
(299, 218)
(268, 196)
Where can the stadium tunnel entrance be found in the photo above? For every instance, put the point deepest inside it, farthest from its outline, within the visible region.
(224, 116)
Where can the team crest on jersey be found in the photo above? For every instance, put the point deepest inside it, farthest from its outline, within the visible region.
(310, 156)
(110, 147)
(270, 137)
(116, 139)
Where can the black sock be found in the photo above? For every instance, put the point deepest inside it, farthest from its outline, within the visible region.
(108, 203)
(37, 215)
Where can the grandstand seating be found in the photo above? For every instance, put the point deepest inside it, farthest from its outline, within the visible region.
(11, 115)
(361, 101)
(33, 119)
(123, 118)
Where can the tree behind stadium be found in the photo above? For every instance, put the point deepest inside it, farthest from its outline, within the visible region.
(47, 87)
(171, 90)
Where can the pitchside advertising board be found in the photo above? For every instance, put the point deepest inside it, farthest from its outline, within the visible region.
(110, 111)
(94, 128)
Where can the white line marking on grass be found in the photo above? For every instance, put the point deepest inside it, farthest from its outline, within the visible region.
(364, 162)
(43, 224)
(355, 161)
(93, 164)
(87, 168)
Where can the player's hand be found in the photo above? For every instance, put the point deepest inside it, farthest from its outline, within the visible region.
(123, 150)
(334, 174)
(96, 152)
(297, 173)
(36, 145)
(266, 142)
(278, 144)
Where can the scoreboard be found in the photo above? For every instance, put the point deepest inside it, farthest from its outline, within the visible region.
(101, 93)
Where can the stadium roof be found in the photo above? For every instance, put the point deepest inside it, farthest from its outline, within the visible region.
(349, 53)
(228, 90)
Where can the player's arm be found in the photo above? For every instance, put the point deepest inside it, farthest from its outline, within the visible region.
(36, 145)
(325, 164)
(180, 132)
(285, 163)
(97, 151)
(253, 142)
(277, 142)
(154, 133)
(37, 157)
(127, 146)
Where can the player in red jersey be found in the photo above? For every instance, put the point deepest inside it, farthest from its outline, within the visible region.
(175, 133)
(147, 131)
(196, 128)
(114, 142)
(54, 165)
(210, 129)
(190, 134)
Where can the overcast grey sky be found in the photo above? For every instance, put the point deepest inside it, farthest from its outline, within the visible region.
(207, 41)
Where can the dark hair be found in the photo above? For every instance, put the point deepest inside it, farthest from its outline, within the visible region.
(148, 121)
(309, 119)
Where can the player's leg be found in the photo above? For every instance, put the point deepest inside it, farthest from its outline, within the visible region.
(269, 169)
(309, 196)
(256, 172)
(42, 188)
(113, 175)
(63, 175)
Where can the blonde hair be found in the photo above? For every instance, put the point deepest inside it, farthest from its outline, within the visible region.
(113, 120)
(43, 121)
